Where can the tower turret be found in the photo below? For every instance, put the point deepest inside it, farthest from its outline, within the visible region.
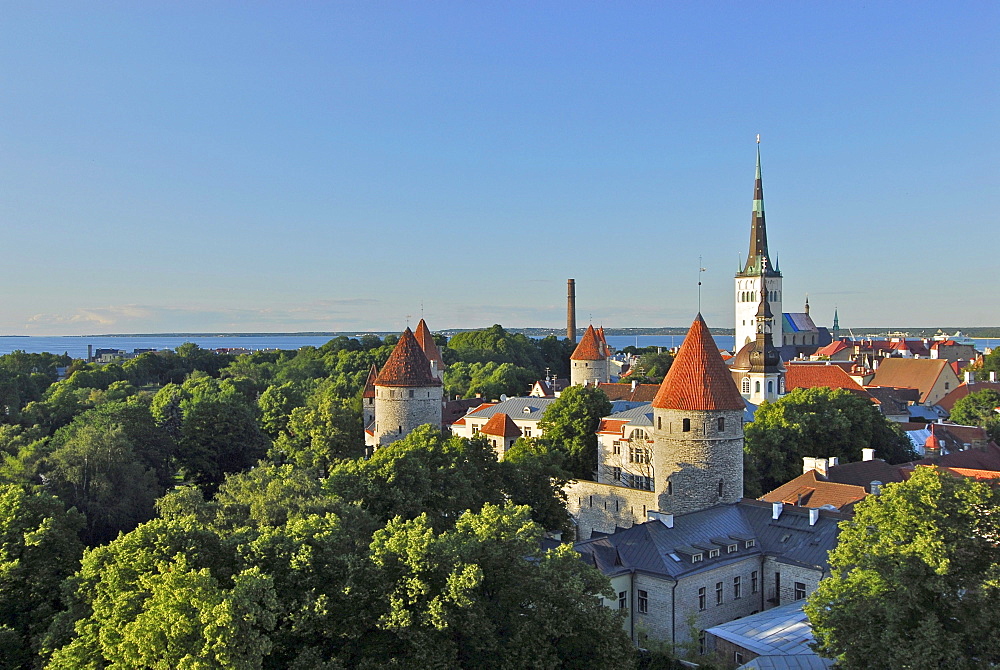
(759, 275)
(697, 429)
(407, 394)
(368, 399)
(589, 361)
(430, 349)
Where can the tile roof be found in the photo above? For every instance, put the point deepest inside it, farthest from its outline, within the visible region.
(810, 490)
(918, 373)
(612, 426)
(501, 425)
(590, 347)
(427, 344)
(641, 392)
(407, 365)
(698, 378)
(948, 402)
(833, 348)
(987, 458)
(811, 375)
(369, 391)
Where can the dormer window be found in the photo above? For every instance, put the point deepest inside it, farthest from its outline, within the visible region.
(750, 543)
(713, 553)
(731, 548)
(696, 558)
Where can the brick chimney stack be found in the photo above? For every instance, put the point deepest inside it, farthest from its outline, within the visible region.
(571, 309)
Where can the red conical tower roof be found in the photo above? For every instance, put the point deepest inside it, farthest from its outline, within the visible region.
(407, 365)
(370, 383)
(698, 379)
(426, 342)
(590, 348)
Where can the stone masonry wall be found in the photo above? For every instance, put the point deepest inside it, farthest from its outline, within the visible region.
(604, 507)
(689, 465)
(397, 413)
(589, 371)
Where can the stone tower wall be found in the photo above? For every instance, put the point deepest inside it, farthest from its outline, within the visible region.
(367, 411)
(688, 465)
(589, 371)
(400, 409)
(746, 310)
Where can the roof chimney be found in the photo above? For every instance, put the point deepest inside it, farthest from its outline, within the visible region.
(664, 518)
(868, 454)
(970, 377)
(571, 310)
(834, 461)
(813, 516)
(635, 382)
(993, 376)
(776, 508)
(811, 463)
(876, 487)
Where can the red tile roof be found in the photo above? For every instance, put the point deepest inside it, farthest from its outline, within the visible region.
(611, 426)
(810, 375)
(590, 348)
(407, 365)
(501, 425)
(641, 393)
(948, 402)
(808, 490)
(427, 344)
(698, 379)
(369, 391)
(832, 348)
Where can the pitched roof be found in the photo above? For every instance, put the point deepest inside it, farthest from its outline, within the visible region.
(407, 365)
(698, 378)
(863, 473)
(948, 402)
(778, 632)
(918, 373)
(641, 392)
(611, 426)
(501, 425)
(427, 344)
(810, 375)
(369, 391)
(834, 347)
(590, 348)
(522, 409)
(809, 490)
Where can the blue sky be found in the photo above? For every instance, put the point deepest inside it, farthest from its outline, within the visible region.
(176, 166)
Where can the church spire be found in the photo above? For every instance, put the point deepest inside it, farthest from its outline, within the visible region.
(758, 260)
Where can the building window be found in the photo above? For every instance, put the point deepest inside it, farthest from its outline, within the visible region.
(622, 600)
(670, 488)
(686, 425)
(616, 474)
(411, 393)
(701, 598)
(756, 387)
(746, 385)
(800, 590)
(643, 602)
(475, 429)
(696, 558)
(527, 431)
(616, 447)
(737, 588)
(721, 485)
(751, 543)
(399, 429)
(701, 642)
(731, 548)
(722, 424)
(713, 553)
(738, 658)
(770, 387)
(753, 581)
(659, 423)
(718, 593)
(638, 455)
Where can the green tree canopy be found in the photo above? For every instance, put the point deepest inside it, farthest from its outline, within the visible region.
(570, 426)
(819, 422)
(979, 409)
(915, 578)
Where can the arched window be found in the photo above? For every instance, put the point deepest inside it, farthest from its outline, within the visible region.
(722, 424)
(756, 387)
(686, 425)
(781, 386)
(770, 387)
(746, 385)
(637, 434)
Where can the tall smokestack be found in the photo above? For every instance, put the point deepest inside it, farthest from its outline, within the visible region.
(571, 309)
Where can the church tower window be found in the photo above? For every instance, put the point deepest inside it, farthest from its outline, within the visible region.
(746, 385)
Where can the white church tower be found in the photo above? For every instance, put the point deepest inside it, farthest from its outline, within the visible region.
(759, 276)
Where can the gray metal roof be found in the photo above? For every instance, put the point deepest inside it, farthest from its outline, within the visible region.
(797, 662)
(780, 631)
(641, 414)
(530, 409)
(647, 546)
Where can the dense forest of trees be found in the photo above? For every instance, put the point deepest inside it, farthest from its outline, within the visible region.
(191, 509)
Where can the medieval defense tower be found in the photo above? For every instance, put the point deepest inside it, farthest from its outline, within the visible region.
(407, 393)
(697, 429)
(759, 277)
(589, 361)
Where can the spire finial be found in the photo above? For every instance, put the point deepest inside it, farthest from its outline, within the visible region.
(758, 138)
(700, 270)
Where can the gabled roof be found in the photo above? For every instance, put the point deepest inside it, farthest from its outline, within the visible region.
(698, 378)
(918, 373)
(427, 344)
(948, 402)
(810, 490)
(369, 391)
(590, 347)
(501, 426)
(612, 426)
(833, 348)
(520, 409)
(641, 392)
(810, 375)
(799, 322)
(407, 365)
